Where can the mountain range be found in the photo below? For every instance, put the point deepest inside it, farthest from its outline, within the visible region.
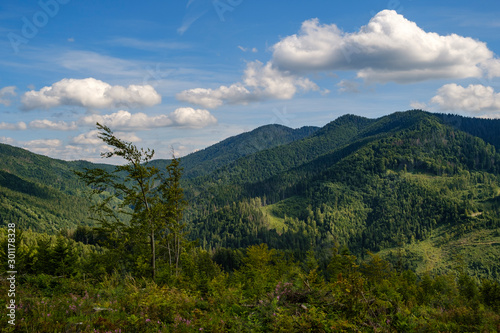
(422, 189)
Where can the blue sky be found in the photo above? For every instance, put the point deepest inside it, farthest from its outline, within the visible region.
(187, 74)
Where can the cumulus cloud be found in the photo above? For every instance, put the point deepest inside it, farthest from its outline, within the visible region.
(89, 138)
(347, 86)
(53, 125)
(260, 82)
(269, 82)
(13, 126)
(90, 93)
(475, 98)
(92, 138)
(212, 98)
(124, 120)
(7, 140)
(190, 117)
(47, 147)
(42, 143)
(388, 48)
(5, 93)
(40, 124)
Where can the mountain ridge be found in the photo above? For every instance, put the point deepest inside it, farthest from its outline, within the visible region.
(367, 184)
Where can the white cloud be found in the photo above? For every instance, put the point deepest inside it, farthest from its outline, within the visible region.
(89, 138)
(42, 143)
(124, 120)
(7, 91)
(347, 86)
(388, 48)
(53, 125)
(47, 147)
(90, 93)
(7, 140)
(190, 117)
(10, 126)
(88, 62)
(92, 138)
(418, 105)
(245, 49)
(269, 82)
(40, 124)
(212, 98)
(260, 82)
(475, 98)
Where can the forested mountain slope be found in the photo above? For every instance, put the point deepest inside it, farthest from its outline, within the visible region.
(395, 182)
(486, 129)
(44, 194)
(231, 149)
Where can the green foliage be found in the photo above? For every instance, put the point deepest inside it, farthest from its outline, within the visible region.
(407, 199)
(266, 294)
(153, 208)
(367, 184)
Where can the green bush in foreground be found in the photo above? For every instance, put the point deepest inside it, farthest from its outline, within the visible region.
(267, 293)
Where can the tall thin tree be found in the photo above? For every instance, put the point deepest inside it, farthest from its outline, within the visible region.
(135, 188)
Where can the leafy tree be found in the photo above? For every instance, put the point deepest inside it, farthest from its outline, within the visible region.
(154, 204)
(170, 211)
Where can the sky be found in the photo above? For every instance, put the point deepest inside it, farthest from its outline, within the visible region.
(179, 76)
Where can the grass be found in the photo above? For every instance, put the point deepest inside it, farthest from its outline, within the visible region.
(476, 251)
(275, 222)
(276, 213)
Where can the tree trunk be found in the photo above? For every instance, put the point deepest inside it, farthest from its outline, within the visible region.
(153, 254)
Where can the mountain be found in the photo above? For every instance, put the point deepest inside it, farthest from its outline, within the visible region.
(404, 179)
(39, 192)
(422, 189)
(45, 195)
(486, 129)
(220, 154)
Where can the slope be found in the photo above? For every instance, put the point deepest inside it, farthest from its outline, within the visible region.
(399, 179)
(220, 154)
(45, 195)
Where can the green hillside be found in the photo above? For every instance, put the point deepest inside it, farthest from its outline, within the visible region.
(393, 182)
(409, 180)
(45, 195)
(386, 225)
(229, 150)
